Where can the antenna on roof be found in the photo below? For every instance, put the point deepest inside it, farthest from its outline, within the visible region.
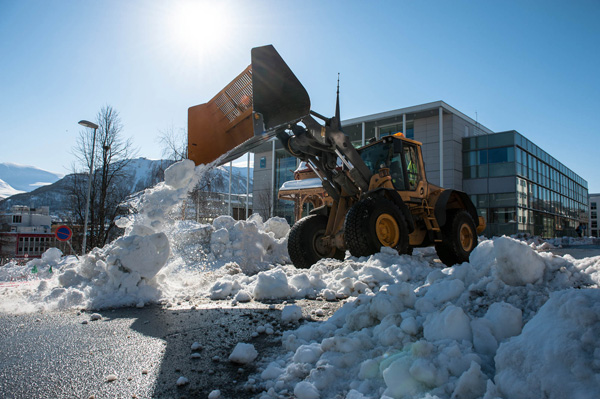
(336, 119)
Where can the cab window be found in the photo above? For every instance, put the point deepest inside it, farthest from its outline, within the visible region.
(397, 172)
(412, 166)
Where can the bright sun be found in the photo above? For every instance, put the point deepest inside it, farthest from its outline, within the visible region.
(199, 25)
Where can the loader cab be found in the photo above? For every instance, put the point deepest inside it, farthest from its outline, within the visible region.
(401, 156)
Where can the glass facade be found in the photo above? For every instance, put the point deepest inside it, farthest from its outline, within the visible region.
(285, 165)
(383, 128)
(549, 199)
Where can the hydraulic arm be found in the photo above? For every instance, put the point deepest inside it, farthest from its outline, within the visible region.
(267, 100)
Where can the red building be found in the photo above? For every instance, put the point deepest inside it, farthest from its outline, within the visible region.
(26, 232)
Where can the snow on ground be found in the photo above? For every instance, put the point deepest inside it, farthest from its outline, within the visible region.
(158, 257)
(514, 322)
(415, 330)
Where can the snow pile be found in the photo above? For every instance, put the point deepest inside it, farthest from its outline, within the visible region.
(557, 352)
(416, 331)
(44, 266)
(153, 259)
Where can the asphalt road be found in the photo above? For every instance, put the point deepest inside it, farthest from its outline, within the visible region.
(578, 251)
(54, 355)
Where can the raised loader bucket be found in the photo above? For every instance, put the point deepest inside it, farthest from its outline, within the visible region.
(248, 111)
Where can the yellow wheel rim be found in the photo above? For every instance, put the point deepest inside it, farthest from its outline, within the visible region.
(466, 237)
(387, 230)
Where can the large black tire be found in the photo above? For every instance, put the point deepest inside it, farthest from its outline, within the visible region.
(459, 238)
(373, 223)
(305, 245)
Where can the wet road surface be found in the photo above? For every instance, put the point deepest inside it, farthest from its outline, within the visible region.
(58, 355)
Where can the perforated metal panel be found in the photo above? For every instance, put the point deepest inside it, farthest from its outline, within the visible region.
(237, 97)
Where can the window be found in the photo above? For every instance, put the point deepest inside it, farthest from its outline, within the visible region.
(502, 200)
(472, 158)
(412, 166)
(501, 139)
(502, 169)
(397, 172)
(376, 156)
(472, 172)
(395, 128)
(503, 154)
(263, 162)
(593, 205)
(17, 218)
(470, 143)
(503, 215)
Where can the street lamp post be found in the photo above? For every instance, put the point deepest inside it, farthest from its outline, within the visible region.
(87, 205)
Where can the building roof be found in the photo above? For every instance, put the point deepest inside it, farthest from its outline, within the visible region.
(417, 111)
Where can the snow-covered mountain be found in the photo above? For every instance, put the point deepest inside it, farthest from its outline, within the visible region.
(6, 190)
(22, 178)
(142, 173)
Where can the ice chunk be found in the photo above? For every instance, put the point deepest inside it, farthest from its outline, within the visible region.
(143, 254)
(221, 289)
(179, 174)
(278, 226)
(506, 320)
(444, 291)
(272, 285)
(306, 390)
(398, 379)
(182, 381)
(96, 316)
(471, 384)
(224, 222)
(52, 255)
(196, 346)
(484, 340)
(308, 353)
(272, 371)
(291, 313)
(451, 323)
(243, 296)
(517, 263)
(243, 353)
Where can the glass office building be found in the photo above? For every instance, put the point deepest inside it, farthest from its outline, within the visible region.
(520, 188)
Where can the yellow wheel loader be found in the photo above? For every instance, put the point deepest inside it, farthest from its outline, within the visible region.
(380, 194)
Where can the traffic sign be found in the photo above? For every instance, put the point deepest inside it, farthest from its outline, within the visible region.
(63, 233)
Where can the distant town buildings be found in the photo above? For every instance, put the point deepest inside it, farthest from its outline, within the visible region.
(25, 232)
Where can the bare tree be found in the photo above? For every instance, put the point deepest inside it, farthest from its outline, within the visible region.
(174, 143)
(264, 202)
(112, 154)
(174, 149)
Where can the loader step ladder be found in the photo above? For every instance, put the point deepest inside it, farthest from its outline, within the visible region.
(431, 221)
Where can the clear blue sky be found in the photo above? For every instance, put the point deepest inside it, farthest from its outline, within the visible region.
(532, 66)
